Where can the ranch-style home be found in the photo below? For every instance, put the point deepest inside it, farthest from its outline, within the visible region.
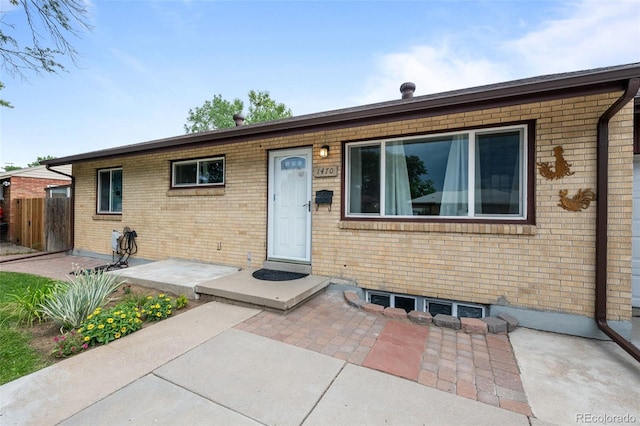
(513, 197)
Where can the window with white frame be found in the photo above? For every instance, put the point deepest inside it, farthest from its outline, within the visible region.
(456, 309)
(110, 190)
(408, 303)
(467, 174)
(205, 171)
(54, 191)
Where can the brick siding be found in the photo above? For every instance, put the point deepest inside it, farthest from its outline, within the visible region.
(546, 266)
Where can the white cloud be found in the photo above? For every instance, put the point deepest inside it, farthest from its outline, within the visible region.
(593, 34)
(432, 69)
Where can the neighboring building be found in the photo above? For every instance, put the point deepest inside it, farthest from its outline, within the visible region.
(513, 197)
(30, 182)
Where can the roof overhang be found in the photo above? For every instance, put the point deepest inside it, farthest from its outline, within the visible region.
(555, 86)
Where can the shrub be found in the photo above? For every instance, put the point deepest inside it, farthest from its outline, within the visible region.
(68, 344)
(137, 299)
(157, 308)
(181, 301)
(104, 326)
(72, 302)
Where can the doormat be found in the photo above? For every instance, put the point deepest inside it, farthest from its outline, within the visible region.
(273, 275)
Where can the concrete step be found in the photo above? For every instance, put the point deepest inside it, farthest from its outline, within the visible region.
(242, 288)
(223, 283)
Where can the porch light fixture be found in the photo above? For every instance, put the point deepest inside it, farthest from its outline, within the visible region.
(324, 151)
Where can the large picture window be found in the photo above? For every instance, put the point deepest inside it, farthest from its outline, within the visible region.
(110, 190)
(470, 174)
(206, 171)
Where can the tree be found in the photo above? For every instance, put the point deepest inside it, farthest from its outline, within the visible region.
(39, 160)
(4, 103)
(218, 113)
(51, 23)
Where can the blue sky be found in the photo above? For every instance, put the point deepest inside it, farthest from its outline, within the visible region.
(146, 63)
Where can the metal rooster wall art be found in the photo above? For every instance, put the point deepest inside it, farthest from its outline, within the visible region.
(556, 170)
(578, 202)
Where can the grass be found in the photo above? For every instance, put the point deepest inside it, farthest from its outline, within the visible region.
(17, 358)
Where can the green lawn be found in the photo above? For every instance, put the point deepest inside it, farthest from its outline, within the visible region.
(17, 358)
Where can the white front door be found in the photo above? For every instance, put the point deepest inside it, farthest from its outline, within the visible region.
(289, 234)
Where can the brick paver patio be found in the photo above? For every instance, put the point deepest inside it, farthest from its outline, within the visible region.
(478, 367)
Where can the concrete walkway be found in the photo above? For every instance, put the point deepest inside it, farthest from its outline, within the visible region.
(214, 374)
(323, 363)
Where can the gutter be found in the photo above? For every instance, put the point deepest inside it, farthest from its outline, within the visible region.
(602, 185)
(73, 205)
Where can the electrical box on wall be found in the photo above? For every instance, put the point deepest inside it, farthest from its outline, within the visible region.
(115, 240)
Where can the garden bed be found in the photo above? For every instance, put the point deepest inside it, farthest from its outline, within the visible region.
(44, 333)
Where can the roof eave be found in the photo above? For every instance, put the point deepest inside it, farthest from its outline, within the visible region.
(559, 85)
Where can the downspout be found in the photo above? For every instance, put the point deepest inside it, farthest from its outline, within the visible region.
(73, 205)
(602, 218)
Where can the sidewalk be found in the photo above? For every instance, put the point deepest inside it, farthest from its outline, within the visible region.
(325, 362)
(216, 374)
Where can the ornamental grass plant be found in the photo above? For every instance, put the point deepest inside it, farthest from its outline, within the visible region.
(23, 307)
(72, 302)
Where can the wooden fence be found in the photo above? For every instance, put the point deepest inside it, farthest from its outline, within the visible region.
(43, 223)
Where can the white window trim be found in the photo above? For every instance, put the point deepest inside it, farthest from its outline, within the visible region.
(523, 128)
(421, 302)
(392, 297)
(454, 306)
(111, 170)
(197, 163)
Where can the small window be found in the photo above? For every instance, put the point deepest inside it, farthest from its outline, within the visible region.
(435, 308)
(380, 299)
(110, 190)
(456, 309)
(206, 171)
(406, 303)
(469, 311)
(391, 300)
(58, 191)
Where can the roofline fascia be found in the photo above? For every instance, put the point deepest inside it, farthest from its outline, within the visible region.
(502, 94)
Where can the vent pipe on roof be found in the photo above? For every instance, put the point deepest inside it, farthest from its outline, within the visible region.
(239, 119)
(407, 90)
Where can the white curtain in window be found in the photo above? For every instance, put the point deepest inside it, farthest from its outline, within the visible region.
(454, 194)
(478, 185)
(355, 191)
(397, 189)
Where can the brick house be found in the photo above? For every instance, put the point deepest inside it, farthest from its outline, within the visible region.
(513, 197)
(31, 182)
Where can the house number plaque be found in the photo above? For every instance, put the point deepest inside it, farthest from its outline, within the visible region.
(321, 172)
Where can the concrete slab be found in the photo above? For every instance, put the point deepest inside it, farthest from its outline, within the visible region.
(152, 400)
(174, 275)
(568, 378)
(360, 396)
(271, 382)
(53, 394)
(280, 295)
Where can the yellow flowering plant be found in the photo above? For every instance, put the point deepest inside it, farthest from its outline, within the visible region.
(158, 307)
(104, 326)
